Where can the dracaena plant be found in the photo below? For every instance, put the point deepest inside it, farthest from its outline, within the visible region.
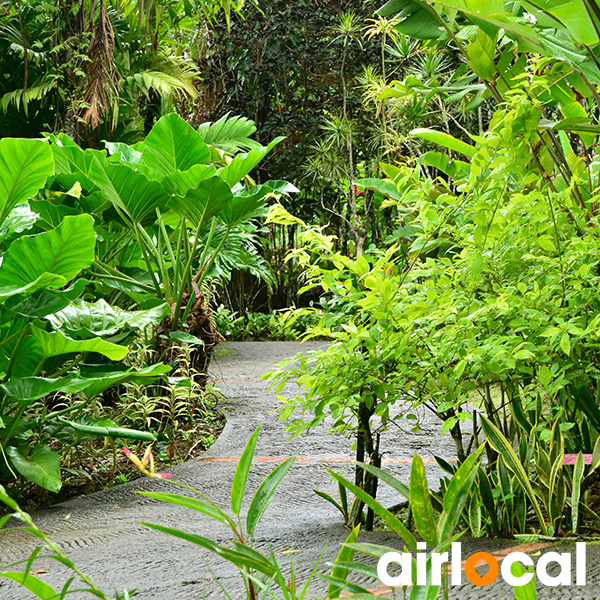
(167, 206)
(46, 335)
(437, 532)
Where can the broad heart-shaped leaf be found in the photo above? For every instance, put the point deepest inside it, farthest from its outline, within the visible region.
(126, 153)
(203, 202)
(41, 345)
(42, 467)
(49, 259)
(74, 165)
(51, 215)
(416, 20)
(101, 319)
(20, 218)
(179, 183)
(45, 302)
(242, 164)
(24, 167)
(241, 473)
(40, 589)
(420, 503)
(264, 494)
(128, 190)
(45, 280)
(244, 204)
(173, 145)
(28, 389)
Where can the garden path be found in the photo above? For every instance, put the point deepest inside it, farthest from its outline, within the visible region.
(102, 534)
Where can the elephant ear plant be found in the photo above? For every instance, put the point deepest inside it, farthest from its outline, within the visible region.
(43, 339)
(168, 206)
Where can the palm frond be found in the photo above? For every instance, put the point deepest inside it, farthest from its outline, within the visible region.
(23, 97)
(230, 134)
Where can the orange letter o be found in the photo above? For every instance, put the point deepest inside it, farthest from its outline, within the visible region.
(472, 574)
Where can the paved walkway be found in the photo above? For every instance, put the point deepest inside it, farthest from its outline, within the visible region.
(102, 535)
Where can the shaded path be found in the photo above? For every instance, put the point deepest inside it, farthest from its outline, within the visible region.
(102, 535)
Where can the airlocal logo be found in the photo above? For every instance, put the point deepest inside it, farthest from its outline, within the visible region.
(437, 559)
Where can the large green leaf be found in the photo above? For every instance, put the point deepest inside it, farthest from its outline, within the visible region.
(453, 168)
(203, 202)
(242, 556)
(173, 145)
(126, 153)
(416, 19)
(571, 14)
(28, 389)
(128, 190)
(20, 218)
(49, 259)
(338, 571)
(384, 514)
(242, 164)
(244, 204)
(264, 494)
(74, 165)
(420, 503)
(443, 139)
(88, 426)
(492, 20)
(40, 589)
(383, 186)
(51, 215)
(240, 476)
(101, 319)
(192, 503)
(179, 183)
(229, 134)
(45, 302)
(24, 167)
(42, 467)
(456, 496)
(41, 345)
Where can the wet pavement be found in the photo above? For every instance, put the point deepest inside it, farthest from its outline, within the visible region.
(102, 535)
